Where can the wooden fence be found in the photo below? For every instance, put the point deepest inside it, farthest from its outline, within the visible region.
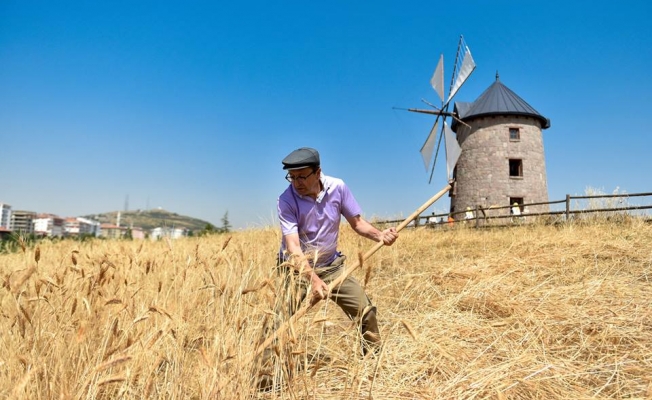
(502, 215)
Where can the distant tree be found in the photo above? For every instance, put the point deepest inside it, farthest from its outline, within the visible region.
(209, 229)
(226, 226)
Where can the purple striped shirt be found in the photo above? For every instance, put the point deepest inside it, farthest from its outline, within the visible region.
(317, 221)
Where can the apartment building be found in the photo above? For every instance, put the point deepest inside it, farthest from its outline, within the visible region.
(172, 233)
(49, 225)
(22, 222)
(111, 231)
(5, 216)
(137, 233)
(77, 226)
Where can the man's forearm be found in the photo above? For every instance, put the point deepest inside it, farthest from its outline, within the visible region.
(365, 229)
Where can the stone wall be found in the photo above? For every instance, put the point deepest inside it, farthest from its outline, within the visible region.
(482, 174)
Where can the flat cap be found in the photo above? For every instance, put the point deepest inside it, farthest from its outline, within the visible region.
(301, 158)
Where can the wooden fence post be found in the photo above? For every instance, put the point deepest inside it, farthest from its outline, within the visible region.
(567, 207)
(477, 215)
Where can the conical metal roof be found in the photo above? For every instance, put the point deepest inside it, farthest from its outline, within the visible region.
(498, 99)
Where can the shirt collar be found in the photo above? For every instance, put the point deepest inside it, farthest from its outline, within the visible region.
(325, 184)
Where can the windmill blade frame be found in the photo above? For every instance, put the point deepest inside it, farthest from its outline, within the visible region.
(428, 146)
(437, 80)
(432, 171)
(459, 77)
(453, 150)
(466, 69)
(462, 69)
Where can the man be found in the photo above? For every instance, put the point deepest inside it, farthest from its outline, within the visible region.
(469, 214)
(309, 211)
(515, 211)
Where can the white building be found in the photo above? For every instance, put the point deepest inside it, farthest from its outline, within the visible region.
(81, 226)
(5, 216)
(48, 225)
(172, 233)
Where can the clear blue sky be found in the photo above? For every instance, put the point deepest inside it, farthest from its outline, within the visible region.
(191, 106)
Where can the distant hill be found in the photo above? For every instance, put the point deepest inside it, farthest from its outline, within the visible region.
(150, 219)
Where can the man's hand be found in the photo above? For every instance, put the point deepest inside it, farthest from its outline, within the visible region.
(389, 236)
(319, 288)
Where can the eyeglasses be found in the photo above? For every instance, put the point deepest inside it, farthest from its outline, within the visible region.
(299, 178)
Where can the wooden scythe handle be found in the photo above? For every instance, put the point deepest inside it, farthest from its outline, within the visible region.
(377, 246)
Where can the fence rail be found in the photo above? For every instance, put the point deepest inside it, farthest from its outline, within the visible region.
(481, 214)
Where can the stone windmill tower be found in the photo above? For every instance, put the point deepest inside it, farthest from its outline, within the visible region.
(494, 145)
(502, 159)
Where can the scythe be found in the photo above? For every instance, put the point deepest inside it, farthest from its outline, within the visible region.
(308, 305)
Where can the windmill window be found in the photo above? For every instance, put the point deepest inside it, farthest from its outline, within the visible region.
(516, 202)
(515, 168)
(514, 134)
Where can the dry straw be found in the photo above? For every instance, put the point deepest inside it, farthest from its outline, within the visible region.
(532, 311)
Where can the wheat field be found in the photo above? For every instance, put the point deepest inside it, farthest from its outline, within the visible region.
(525, 312)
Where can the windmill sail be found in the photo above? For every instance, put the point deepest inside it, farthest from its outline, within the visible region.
(464, 65)
(453, 150)
(468, 65)
(429, 145)
(437, 80)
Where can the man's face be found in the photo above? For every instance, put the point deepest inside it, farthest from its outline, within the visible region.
(305, 181)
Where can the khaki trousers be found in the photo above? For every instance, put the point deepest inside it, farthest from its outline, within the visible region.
(349, 295)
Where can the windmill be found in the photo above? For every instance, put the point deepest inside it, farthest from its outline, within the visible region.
(462, 69)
